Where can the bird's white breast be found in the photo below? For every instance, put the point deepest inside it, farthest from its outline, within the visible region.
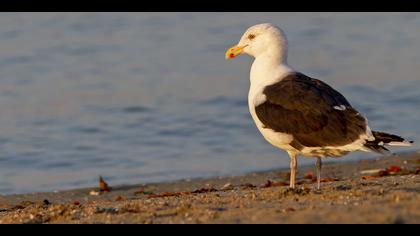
(260, 77)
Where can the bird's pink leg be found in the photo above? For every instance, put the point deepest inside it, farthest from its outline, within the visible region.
(318, 172)
(293, 168)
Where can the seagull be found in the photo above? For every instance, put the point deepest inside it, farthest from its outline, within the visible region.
(299, 114)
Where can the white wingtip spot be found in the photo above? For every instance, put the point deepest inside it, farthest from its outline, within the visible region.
(340, 108)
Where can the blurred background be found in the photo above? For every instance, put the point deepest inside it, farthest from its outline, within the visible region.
(145, 97)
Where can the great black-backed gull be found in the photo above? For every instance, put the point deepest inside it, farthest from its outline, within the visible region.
(299, 114)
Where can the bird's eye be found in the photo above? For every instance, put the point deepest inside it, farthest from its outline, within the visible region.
(251, 36)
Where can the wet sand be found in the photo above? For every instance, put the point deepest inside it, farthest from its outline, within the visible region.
(384, 190)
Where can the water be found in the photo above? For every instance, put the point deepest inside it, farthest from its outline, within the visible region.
(144, 97)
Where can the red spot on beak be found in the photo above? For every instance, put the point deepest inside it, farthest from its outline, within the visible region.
(232, 55)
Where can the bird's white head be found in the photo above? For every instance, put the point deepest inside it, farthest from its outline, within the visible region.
(262, 39)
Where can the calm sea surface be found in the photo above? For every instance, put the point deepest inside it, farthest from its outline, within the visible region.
(144, 97)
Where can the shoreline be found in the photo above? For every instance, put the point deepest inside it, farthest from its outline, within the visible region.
(357, 187)
(306, 167)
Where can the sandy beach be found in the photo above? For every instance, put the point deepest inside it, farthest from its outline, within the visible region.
(384, 190)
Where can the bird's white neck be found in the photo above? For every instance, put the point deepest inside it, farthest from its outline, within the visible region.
(268, 68)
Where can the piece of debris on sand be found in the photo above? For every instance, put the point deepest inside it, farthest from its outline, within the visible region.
(103, 186)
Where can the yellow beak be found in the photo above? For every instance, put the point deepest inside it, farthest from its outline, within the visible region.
(234, 51)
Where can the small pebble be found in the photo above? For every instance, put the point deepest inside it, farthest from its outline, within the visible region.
(227, 186)
(93, 193)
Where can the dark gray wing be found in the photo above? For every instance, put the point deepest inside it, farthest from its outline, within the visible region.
(304, 107)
